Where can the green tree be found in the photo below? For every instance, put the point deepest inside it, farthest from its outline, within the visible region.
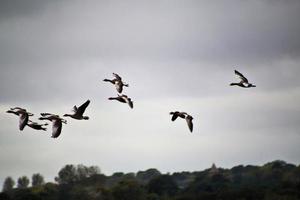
(145, 176)
(68, 174)
(23, 182)
(82, 172)
(37, 180)
(129, 190)
(163, 185)
(8, 184)
(93, 170)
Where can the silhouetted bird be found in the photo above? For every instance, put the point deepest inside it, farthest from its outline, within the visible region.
(56, 123)
(78, 112)
(185, 116)
(23, 116)
(117, 81)
(124, 99)
(244, 81)
(36, 125)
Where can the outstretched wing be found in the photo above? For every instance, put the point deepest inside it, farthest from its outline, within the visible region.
(75, 109)
(47, 114)
(117, 76)
(130, 103)
(56, 128)
(189, 122)
(174, 115)
(82, 108)
(23, 121)
(242, 77)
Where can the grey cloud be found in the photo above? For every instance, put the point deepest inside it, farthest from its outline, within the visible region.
(193, 30)
(11, 9)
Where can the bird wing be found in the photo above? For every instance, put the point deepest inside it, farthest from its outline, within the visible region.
(117, 76)
(189, 123)
(18, 108)
(23, 121)
(13, 112)
(130, 103)
(82, 108)
(75, 109)
(242, 77)
(56, 128)
(127, 100)
(175, 115)
(47, 114)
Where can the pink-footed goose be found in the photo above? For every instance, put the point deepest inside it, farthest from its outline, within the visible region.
(244, 81)
(185, 116)
(117, 81)
(123, 99)
(78, 112)
(56, 123)
(23, 116)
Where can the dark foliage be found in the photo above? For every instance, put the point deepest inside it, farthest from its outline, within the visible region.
(273, 181)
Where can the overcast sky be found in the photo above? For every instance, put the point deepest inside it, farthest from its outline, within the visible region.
(175, 55)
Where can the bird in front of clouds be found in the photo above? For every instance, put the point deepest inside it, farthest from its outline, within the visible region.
(123, 99)
(56, 123)
(23, 116)
(244, 81)
(78, 112)
(117, 81)
(188, 118)
(37, 126)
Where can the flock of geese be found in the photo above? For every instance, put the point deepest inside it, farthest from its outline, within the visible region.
(78, 112)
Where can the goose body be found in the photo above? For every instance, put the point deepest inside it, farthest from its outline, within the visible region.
(78, 112)
(123, 99)
(188, 118)
(244, 81)
(117, 81)
(23, 116)
(56, 123)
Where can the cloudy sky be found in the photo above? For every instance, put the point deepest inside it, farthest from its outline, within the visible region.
(175, 55)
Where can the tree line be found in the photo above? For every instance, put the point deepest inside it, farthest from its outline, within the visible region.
(275, 180)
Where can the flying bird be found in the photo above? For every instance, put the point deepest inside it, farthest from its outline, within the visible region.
(123, 99)
(23, 116)
(36, 125)
(78, 112)
(244, 81)
(56, 123)
(117, 81)
(185, 116)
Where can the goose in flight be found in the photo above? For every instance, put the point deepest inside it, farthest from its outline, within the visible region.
(56, 123)
(78, 112)
(185, 116)
(124, 99)
(23, 116)
(244, 81)
(36, 125)
(117, 81)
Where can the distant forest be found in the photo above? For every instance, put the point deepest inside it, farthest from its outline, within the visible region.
(276, 180)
